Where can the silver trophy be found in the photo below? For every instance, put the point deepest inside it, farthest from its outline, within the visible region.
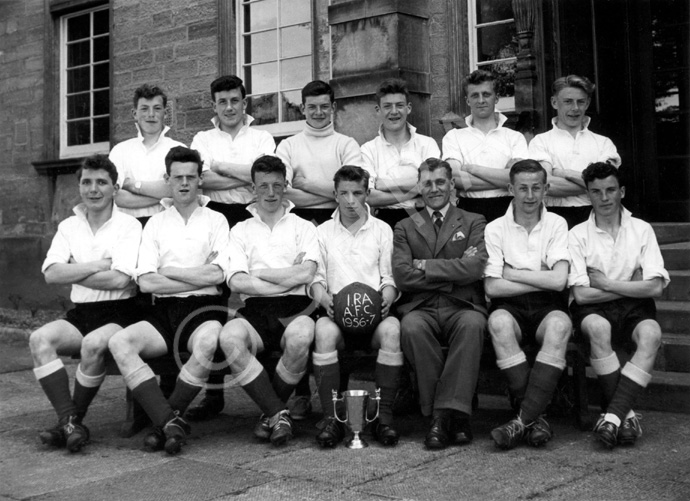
(356, 406)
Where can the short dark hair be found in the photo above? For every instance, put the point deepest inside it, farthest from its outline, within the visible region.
(227, 83)
(392, 86)
(182, 154)
(573, 81)
(268, 164)
(527, 165)
(431, 164)
(351, 173)
(478, 77)
(601, 170)
(317, 88)
(98, 162)
(148, 91)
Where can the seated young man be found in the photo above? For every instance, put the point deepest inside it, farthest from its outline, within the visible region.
(182, 259)
(524, 276)
(96, 251)
(273, 257)
(355, 247)
(617, 271)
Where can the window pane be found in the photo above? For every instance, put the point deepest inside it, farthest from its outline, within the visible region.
(505, 83)
(101, 102)
(290, 102)
(101, 21)
(79, 106)
(496, 42)
(295, 72)
(295, 11)
(101, 130)
(263, 78)
(78, 133)
(261, 47)
(494, 10)
(78, 27)
(101, 75)
(78, 80)
(295, 40)
(101, 47)
(78, 54)
(264, 109)
(260, 15)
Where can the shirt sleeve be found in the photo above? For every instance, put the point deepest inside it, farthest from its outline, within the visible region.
(369, 162)
(126, 249)
(652, 261)
(609, 153)
(117, 157)
(557, 249)
(538, 150)
(220, 243)
(451, 147)
(283, 151)
(320, 277)
(309, 242)
(496, 260)
(431, 149)
(519, 146)
(386, 257)
(350, 154)
(266, 146)
(237, 253)
(59, 251)
(149, 253)
(578, 265)
(200, 145)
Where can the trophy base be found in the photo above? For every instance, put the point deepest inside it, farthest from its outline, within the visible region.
(356, 442)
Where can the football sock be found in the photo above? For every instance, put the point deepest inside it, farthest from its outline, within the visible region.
(608, 371)
(85, 389)
(327, 376)
(543, 379)
(150, 397)
(55, 383)
(386, 377)
(284, 381)
(186, 389)
(632, 381)
(516, 370)
(254, 380)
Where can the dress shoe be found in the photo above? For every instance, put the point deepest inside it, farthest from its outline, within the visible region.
(385, 434)
(461, 431)
(606, 432)
(438, 436)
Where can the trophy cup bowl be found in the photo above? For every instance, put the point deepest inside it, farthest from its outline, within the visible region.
(356, 405)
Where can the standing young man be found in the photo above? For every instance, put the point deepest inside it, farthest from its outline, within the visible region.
(524, 277)
(355, 247)
(273, 258)
(228, 152)
(617, 271)
(182, 259)
(482, 153)
(438, 260)
(392, 158)
(140, 161)
(96, 252)
(569, 147)
(313, 156)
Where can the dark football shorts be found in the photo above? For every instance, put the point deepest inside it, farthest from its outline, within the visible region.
(88, 317)
(623, 314)
(530, 309)
(180, 316)
(264, 314)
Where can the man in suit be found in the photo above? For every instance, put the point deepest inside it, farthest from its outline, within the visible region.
(438, 261)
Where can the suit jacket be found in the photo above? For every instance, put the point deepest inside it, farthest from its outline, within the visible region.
(447, 272)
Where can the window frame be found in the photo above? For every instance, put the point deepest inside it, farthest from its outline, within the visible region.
(66, 151)
(474, 63)
(279, 129)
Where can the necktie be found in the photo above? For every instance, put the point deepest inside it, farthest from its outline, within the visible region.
(438, 220)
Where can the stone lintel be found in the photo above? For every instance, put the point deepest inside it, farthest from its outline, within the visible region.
(362, 9)
(58, 166)
(365, 84)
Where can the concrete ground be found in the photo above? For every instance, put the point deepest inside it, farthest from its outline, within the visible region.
(223, 461)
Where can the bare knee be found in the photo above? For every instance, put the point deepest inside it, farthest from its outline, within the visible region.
(326, 335)
(647, 336)
(120, 344)
(387, 336)
(557, 331)
(42, 345)
(93, 347)
(206, 341)
(598, 330)
(501, 325)
(299, 335)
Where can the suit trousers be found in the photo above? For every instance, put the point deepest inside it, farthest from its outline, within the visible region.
(444, 381)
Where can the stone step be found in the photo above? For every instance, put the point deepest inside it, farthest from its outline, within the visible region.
(674, 354)
(674, 316)
(679, 288)
(668, 233)
(676, 256)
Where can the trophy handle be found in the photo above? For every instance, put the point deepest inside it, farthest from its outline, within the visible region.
(378, 405)
(335, 410)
